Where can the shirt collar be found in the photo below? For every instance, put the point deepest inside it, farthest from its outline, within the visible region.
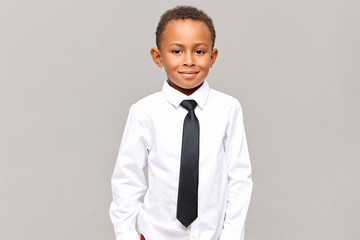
(175, 97)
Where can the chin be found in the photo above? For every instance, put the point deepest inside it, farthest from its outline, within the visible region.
(191, 86)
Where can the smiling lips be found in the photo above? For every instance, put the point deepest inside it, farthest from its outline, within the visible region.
(188, 74)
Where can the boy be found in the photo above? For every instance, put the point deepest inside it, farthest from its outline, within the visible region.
(193, 142)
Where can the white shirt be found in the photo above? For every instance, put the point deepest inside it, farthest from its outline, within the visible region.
(153, 138)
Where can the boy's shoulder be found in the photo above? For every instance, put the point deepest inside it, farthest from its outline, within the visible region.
(150, 99)
(148, 103)
(223, 98)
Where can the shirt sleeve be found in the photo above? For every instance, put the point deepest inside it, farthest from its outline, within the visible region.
(239, 177)
(128, 181)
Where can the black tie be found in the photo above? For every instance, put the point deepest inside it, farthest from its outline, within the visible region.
(187, 205)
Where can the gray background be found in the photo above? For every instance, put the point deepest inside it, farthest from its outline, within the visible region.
(70, 70)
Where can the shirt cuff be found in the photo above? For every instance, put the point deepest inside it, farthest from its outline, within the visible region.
(229, 234)
(128, 235)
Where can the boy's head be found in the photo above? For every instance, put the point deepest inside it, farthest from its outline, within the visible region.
(185, 40)
(184, 12)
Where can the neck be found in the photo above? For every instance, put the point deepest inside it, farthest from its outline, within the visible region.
(185, 91)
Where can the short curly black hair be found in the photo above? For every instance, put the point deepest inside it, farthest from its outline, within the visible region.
(184, 12)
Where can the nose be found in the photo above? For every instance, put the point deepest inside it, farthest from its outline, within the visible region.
(188, 61)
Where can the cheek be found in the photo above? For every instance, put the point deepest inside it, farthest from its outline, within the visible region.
(171, 62)
(206, 63)
(170, 67)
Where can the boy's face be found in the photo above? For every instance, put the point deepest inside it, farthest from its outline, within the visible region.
(186, 53)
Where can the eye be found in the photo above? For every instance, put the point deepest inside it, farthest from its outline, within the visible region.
(177, 51)
(199, 52)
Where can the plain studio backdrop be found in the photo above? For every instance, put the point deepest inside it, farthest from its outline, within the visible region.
(70, 70)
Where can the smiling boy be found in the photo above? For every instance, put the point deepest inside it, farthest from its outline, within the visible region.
(186, 52)
(192, 140)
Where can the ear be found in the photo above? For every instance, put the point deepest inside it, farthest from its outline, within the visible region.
(214, 55)
(156, 56)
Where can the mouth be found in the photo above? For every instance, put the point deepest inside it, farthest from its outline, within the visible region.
(188, 74)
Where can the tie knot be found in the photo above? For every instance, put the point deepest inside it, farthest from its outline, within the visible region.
(189, 104)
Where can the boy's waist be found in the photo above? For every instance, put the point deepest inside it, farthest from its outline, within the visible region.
(158, 223)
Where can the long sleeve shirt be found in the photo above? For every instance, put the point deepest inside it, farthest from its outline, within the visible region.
(152, 138)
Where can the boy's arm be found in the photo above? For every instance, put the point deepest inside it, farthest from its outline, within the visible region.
(128, 181)
(239, 177)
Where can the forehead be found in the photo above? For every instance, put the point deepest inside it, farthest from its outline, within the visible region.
(186, 30)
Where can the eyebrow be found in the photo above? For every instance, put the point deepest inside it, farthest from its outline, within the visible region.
(196, 45)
